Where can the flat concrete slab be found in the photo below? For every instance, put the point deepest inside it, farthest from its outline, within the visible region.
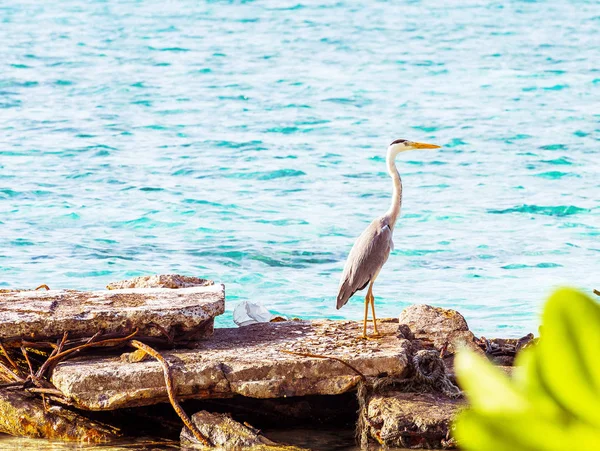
(245, 361)
(43, 315)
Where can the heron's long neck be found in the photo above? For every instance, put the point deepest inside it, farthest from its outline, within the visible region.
(394, 210)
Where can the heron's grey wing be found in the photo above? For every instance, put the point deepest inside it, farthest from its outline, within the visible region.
(369, 253)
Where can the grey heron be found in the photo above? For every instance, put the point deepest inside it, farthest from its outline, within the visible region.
(372, 248)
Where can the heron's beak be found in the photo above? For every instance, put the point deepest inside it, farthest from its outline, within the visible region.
(417, 145)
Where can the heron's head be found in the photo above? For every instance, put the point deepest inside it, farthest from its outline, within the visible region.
(402, 145)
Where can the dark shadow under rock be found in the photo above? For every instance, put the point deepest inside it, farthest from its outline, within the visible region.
(314, 411)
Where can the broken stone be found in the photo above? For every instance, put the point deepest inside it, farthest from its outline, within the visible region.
(412, 420)
(228, 435)
(502, 351)
(43, 315)
(247, 361)
(405, 332)
(440, 326)
(24, 415)
(160, 281)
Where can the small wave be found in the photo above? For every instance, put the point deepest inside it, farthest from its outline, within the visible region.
(282, 222)
(556, 87)
(539, 265)
(554, 147)
(560, 210)
(559, 161)
(554, 175)
(268, 175)
(284, 130)
(168, 49)
(254, 145)
(8, 193)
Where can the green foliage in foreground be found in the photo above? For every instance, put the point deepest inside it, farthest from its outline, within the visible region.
(552, 402)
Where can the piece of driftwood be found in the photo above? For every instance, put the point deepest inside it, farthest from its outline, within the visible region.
(171, 392)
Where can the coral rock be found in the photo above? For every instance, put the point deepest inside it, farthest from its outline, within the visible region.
(441, 326)
(160, 281)
(412, 420)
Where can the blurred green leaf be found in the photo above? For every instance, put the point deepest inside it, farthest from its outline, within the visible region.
(526, 376)
(522, 432)
(569, 352)
(552, 402)
(491, 390)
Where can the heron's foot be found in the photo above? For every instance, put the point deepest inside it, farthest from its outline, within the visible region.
(375, 336)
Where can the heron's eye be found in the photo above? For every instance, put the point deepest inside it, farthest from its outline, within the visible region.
(398, 141)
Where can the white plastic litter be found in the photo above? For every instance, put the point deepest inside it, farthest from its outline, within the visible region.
(247, 312)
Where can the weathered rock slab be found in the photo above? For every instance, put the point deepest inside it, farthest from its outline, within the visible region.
(412, 420)
(24, 415)
(160, 281)
(226, 434)
(245, 361)
(39, 315)
(444, 327)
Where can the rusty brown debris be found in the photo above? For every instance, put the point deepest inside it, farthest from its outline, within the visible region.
(171, 391)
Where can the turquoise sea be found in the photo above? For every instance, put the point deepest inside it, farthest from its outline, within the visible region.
(244, 141)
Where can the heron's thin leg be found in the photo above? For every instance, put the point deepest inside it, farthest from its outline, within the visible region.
(372, 301)
(375, 331)
(364, 335)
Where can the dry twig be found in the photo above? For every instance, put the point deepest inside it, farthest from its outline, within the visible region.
(164, 332)
(24, 351)
(11, 384)
(40, 372)
(46, 391)
(10, 374)
(38, 344)
(318, 356)
(171, 391)
(110, 342)
(10, 360)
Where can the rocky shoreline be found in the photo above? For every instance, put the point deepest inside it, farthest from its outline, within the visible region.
(94, 367)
